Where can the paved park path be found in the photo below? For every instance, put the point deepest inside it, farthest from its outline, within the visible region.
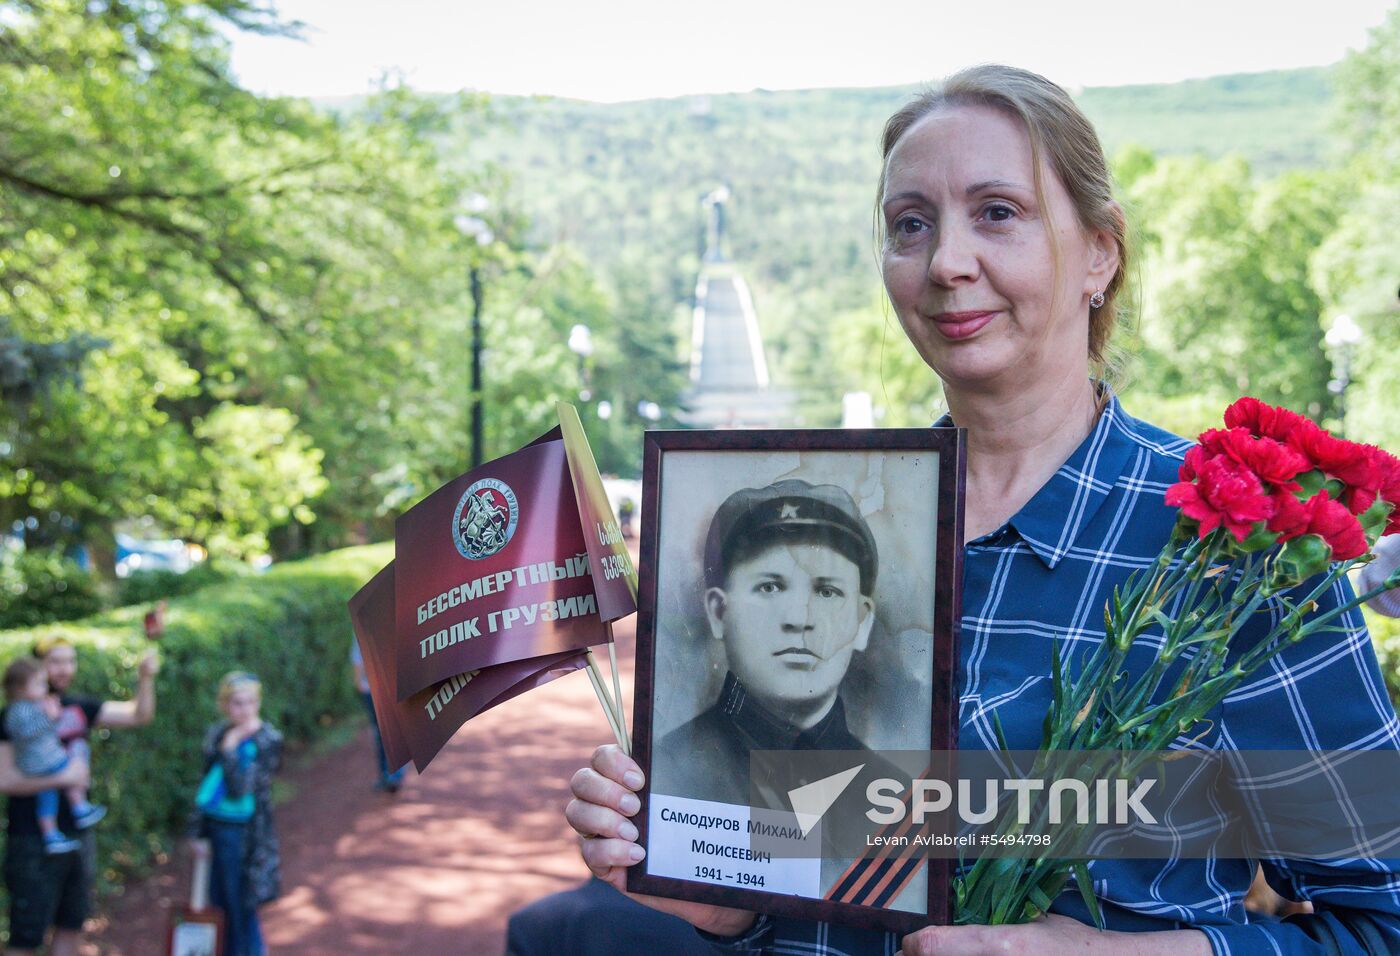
(436, 869)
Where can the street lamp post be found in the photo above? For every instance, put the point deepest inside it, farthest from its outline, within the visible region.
(581, 344)
(475, 227)
(1342, 338)
(478, 441)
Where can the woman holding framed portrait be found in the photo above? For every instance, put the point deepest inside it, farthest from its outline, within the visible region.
(1004, 253)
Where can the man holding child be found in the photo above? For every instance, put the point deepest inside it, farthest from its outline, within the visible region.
(54, 889)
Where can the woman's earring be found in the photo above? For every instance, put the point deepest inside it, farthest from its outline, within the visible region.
(1096, 300)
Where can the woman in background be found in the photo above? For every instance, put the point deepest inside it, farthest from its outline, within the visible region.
(232, 821)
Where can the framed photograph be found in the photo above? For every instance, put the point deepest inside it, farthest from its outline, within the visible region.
(196, 929)
(797, 615)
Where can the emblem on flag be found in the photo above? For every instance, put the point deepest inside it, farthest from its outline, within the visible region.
(485, 520)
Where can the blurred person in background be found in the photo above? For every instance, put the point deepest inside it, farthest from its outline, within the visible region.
(1373, 575)
(389, 780)
(232, 820)
(57, 891)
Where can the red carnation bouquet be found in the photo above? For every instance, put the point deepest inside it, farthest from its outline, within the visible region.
(1271, 476)
(1274, 510)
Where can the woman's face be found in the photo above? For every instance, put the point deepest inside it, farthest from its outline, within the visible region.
(242, 706)
(969, 259)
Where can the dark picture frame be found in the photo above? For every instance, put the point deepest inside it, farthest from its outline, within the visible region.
(942, 448)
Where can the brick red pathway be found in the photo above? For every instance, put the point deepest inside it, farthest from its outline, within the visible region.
(436, 869)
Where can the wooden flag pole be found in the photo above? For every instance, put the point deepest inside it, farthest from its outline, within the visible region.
(617, 688)
(600, 689)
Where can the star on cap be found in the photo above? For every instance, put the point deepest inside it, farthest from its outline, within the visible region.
(789, 512)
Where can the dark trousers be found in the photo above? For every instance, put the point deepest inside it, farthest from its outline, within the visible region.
(596, 920)
(47, 890)
(229, 892)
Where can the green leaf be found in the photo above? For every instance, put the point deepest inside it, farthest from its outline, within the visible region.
(990, 886)
(1373, 519)
(1001, 737)
(1038, 897)
(1086, 890)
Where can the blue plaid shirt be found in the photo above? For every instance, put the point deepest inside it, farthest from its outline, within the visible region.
(1044, 576)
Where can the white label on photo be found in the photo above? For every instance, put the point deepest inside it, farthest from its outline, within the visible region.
(707, 842)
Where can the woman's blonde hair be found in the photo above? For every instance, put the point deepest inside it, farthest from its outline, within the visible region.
(236, 681)
(1061, 133)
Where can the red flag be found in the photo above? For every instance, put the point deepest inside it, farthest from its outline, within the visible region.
(417, 728)
(491, 592)
(491, 568)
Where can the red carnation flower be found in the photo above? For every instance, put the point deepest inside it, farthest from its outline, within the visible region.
(1388, 485)
(1196, 456)
(1291, 516)
(1273, 461)
(1360, 498)
(1334, 523)
(1347, 461)
(1224, 493)
(1266, 421)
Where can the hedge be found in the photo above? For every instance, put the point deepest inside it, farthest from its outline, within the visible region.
(289, 626)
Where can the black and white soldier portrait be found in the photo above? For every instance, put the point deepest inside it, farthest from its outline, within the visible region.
(794, 612)
(796, 647)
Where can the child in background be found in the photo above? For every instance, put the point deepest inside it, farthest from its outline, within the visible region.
(39, 752)
(233, 812)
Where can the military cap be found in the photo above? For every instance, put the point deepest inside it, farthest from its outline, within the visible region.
(752, 517)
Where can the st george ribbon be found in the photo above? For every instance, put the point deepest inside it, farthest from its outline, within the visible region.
(501, 581)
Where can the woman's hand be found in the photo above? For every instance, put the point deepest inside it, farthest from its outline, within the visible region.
(1051, 935)
(237, 733)
(604, 800)
(199, 848)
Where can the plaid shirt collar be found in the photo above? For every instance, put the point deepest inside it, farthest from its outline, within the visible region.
(1053, 519)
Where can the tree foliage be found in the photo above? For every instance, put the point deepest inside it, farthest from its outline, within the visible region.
(1357, 268)
(1227, 302)
(236, 314)
(242, 315)
(252, 267)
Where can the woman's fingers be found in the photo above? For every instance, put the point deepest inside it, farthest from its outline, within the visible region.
(589, 786)
(611, 762)
(602, 854)
(603, 800)
(608, 782)
(591, 819)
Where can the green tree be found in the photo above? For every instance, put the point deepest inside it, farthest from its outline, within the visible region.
(1228, 306)
(880, 361)
(1357, 269)
(244, 258)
